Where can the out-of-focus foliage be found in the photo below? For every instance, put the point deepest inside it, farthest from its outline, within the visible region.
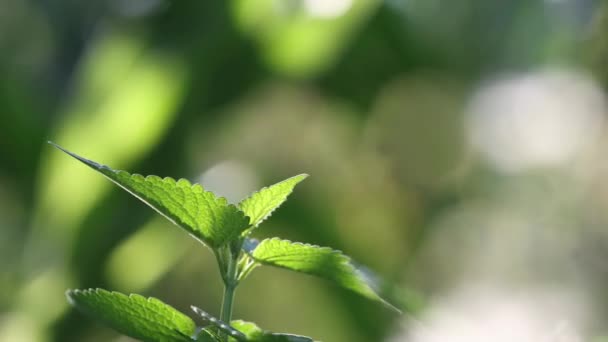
(457, 147)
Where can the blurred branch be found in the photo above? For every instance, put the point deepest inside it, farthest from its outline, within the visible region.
(595, 52)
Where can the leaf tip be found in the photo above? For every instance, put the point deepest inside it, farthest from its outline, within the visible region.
(56, 146)
(86, 161)
(301, 176)
(72, 294)
(69, 297)
(394, 308)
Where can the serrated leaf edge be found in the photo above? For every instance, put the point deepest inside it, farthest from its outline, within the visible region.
(222, 200)
(130, 297)
(345, 260)
(267, 333)
(248, 230)
(305, 244)
(98, 167)
(234, 333)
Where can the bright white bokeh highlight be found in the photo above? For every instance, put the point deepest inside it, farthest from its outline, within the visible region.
(482, 314)
(327, 8)
(231, 179)
(542, 119)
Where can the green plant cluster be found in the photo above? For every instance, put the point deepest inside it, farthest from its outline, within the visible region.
(225, 228)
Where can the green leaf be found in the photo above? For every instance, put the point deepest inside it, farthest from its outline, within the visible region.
(323, 262)
(257, 334)
(260, 205)
(207, 217)
(242, 331)
(250, 330)
(224, 327)
(148, 320)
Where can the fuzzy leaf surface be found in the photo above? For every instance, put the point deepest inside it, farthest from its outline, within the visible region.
(260, 205)
(205, 216)
(254, 333)
(323, 262)
(146, 319)
(242, 331)
(221, 325)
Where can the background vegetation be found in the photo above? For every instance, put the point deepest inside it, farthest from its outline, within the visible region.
(457, 148)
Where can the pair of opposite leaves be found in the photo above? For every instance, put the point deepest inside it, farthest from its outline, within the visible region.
(216, 223)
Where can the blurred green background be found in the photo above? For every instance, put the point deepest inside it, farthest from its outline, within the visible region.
(456, 148)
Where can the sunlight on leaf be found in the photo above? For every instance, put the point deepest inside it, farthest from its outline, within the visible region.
(207, 217)
(146, 319)
(260, 205)
(257, 334)
(323, 262)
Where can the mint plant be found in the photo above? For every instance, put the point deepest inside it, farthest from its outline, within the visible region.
(224, 228)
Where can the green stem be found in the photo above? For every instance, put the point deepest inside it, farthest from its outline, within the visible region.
(226, 314)
(230, 283)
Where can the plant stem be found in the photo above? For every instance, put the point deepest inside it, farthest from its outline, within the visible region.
(230, 283)
(226, 314)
